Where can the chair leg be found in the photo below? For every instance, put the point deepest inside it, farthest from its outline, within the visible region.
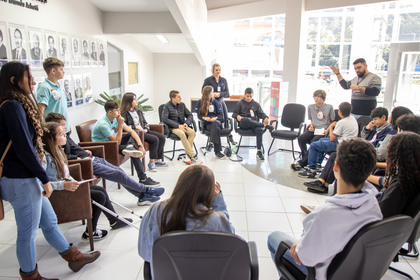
(195, 148)
(402, 273)
(293, 151)
(90, 231)
(173, 152)
(132, 167)
(239, 145)
(104, 183)
(405, 253)
(272, 141)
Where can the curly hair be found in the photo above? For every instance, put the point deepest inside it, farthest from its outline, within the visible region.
(403, 162)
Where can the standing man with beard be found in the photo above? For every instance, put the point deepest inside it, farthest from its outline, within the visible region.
(365, 87)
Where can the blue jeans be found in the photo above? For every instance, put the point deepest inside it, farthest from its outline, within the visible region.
(105, 170)
(317, 150)
(32, 210)
(274, 239)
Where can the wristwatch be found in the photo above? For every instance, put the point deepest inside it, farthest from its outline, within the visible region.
(141, 145)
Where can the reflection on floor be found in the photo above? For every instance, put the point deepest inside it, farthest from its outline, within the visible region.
(258, 204)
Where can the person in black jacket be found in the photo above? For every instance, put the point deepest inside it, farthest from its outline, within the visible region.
(104, 169)
(178, 118)
(220, 90)
(248, 113)
(135, 119)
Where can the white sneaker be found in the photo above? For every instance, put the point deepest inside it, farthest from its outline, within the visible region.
(307, 208)
(132, 152)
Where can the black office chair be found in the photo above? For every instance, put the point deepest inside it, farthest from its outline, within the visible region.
(367, 255)
(224, 132)
(293, 117)
(190, 255)
(246, 133)
(412, 210)
(362, 121)
(168, 134)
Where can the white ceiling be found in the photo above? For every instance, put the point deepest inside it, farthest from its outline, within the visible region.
(177, 43)
(130, 5)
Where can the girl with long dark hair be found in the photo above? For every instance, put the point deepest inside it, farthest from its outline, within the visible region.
(135, 119)
(24, 182)
(209, 111)
(196, 204)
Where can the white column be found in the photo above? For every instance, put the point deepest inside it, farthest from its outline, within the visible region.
(294, 47)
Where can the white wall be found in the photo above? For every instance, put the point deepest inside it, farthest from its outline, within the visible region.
(180, 72)
(80, 18)
(133, 51)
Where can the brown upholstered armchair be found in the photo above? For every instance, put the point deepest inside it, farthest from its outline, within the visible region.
(86, 163)
(74, 206)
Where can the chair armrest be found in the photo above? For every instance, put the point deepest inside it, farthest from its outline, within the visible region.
(194, 126)
(274, 121)
(235, 126)
(75, 171)
(229, 122)
(157, 128)
(111, 150)
(283, 247)
(166, 130)
(302, 125)
(97, 151)
(253, 258)
(86, 167)
(201, 126)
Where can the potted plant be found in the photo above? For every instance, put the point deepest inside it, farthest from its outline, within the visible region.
(105, 97)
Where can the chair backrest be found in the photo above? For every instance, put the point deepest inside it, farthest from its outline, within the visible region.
(293, 115)
(370, 252)
(337, 116)
(362, 121)
(200, 255)
(84, 130)
(160, 112)
(413, 210)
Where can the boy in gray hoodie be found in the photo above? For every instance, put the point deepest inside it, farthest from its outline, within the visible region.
(328, 229)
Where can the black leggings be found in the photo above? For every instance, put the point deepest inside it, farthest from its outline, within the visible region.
(99, 195)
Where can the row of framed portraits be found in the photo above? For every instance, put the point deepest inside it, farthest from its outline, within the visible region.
(32, 46)
(77, 87)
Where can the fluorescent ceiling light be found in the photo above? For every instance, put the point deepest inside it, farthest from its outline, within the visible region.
(162, 38)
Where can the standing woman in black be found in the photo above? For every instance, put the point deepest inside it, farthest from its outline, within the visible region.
(24, 182)
(220, 90)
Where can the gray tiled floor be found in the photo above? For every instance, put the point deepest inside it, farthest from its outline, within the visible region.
(257, 206)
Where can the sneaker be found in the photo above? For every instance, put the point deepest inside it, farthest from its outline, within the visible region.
(260, 155)
(296, 166)
(161, 163)
(195, 160)
(154, 191)
(149, 182)
(316, 183)
(132, 152)
(307, 208)
(269, 127)
(220, 155)
(317, 188)
(152, 166)
(147, 200)
(209, 147)
(233, 142)
(98, 234)
(186, 159)
(308, 174)
(318, 167)
(119, 224)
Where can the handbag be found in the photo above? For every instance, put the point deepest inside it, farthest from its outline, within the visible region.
(1, 172)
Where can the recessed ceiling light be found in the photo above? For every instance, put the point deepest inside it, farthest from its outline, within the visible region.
(162, 38)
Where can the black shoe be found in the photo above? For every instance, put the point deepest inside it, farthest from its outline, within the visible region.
(316, 183)
(318, 167)
(149, 182)
(119, 224)
(314, 189)
(220, 155)
(269, 127)
(296, 166)
(260, 155)
(98, 234)
(209, 147)
(308, 174)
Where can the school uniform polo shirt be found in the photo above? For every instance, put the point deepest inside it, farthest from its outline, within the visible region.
(54, 98)
(104, 129)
